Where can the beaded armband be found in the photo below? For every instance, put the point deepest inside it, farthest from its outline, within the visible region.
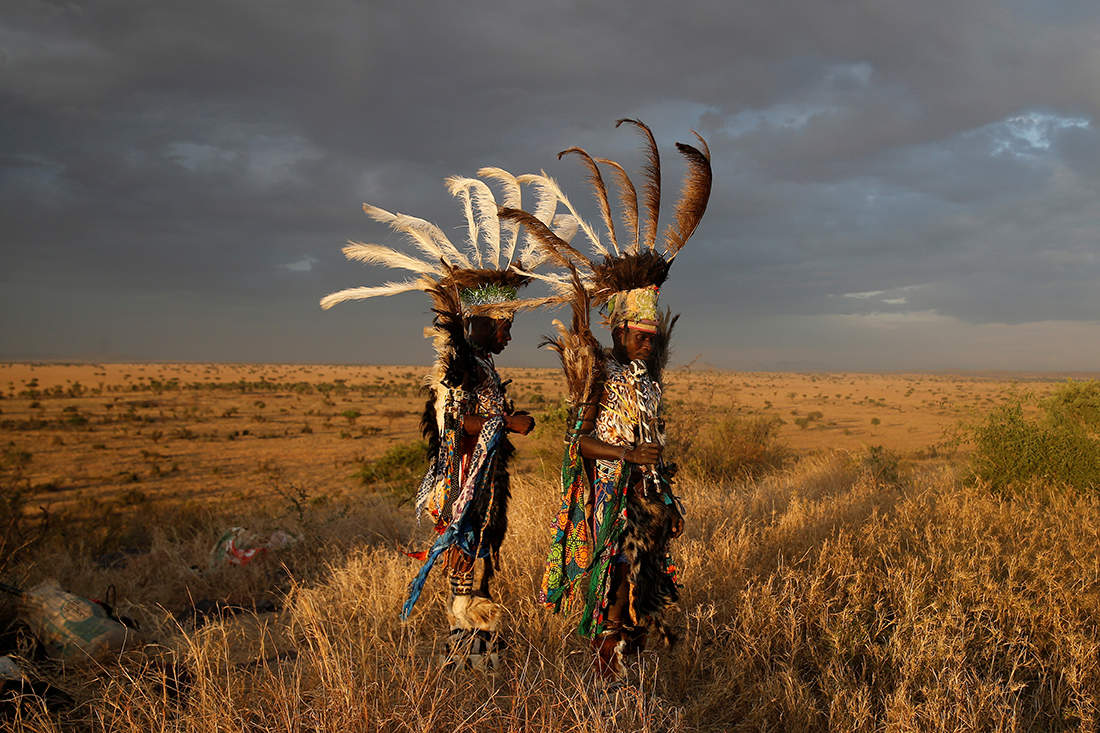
(573, 430)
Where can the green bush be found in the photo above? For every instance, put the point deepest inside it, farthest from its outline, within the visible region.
(1010, 449)
(399, 468)
(882, 464)
(551, 422)
(1076, 402)
(737, 448)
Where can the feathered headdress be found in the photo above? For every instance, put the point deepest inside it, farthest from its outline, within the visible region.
(622, 281)
(483, 280)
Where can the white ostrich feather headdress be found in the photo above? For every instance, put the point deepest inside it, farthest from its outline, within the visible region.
(484, 275)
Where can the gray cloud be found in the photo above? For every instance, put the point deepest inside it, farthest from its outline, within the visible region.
(177, 178)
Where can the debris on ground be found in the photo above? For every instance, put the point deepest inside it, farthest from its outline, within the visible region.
(69, 626)
(238, 546)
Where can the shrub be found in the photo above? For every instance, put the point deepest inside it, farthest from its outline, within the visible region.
(1010, 450)
(1076, 402)
(398, 469)
(551, 421)
(882, 464)
(737, 448)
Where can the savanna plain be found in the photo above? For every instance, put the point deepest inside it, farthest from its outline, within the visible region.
(863, 552)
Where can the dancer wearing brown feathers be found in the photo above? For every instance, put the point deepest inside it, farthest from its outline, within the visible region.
(610, 550)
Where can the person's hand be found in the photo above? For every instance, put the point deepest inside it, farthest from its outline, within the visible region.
(522, 424)
(645, 454)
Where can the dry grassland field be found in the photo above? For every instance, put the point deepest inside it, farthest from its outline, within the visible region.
(863, 552)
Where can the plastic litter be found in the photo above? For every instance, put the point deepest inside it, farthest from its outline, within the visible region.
(240, 547)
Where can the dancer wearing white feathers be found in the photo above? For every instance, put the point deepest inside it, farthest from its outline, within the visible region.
(468, 415)
(609, 553)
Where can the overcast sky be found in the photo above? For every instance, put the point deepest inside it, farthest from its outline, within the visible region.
(898, 184)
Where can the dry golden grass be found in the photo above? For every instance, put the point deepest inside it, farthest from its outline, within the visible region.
(817, 597)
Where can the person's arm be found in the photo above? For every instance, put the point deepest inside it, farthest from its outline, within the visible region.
(645, 454)
(472, 424)
(592, 447)
(522, 424)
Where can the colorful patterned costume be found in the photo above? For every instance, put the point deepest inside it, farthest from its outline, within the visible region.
(465, 489)
(615, 511)
(625, 517)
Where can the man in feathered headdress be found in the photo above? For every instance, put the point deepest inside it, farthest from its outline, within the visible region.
(609, 554)
(468, 416)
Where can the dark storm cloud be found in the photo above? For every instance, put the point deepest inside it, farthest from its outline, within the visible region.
(176, 179)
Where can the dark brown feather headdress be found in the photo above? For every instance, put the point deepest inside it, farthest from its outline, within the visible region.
(623, 281)
(638, 264)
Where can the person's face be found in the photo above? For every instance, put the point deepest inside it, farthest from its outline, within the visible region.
(491, 334)
(638, 345)
(502, 334)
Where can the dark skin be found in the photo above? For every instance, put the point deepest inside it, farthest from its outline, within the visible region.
(492, 335)
(629, 345)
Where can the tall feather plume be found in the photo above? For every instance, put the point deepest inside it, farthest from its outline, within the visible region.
(546, 203)
(419, 236)
(513, 199)
(593, 238)
(451, 253)
(652, 170)
(558, 283)
(463, 194)
(379, 255)
(429, 238)
(580, 354)
(694, 195)
(390, 288)
(565, 226)
(599, 190)
(702, 144)
(628, 201)
(557, 249)
(488, 225)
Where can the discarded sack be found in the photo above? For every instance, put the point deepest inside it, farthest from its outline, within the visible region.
(69, 626)
(238, 547)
